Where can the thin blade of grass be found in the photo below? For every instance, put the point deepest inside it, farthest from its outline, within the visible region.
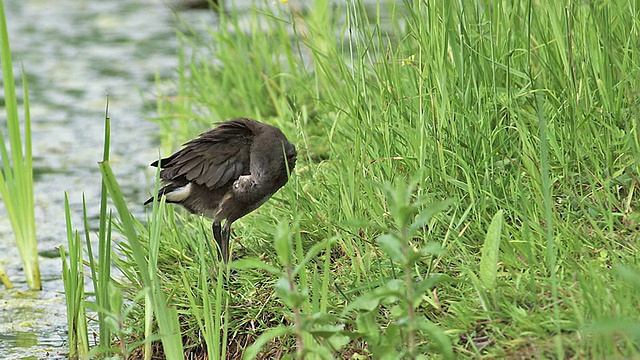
(104, 242)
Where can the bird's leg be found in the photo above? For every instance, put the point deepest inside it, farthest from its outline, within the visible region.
(224, 244)
(216, 228)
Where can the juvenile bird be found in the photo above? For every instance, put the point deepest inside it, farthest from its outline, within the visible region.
(227, 172)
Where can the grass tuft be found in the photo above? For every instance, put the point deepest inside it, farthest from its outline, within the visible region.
(16, 177)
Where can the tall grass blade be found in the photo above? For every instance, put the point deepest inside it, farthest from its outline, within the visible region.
(101, 267)
(104, 243)
(16, 177)
(545, 176)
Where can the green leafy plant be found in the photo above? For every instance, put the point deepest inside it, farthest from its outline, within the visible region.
(490, 249)
(486, 281)
(406, 246)
(317, 333)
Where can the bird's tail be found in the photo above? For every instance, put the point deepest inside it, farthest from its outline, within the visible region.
(173, 193)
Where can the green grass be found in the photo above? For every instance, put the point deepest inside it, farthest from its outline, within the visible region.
(467, 185)
(74, 289)
(16, 175)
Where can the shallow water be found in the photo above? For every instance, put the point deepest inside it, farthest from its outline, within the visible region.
(75, 53)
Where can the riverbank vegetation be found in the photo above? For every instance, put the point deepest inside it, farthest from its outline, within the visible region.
(466, 186)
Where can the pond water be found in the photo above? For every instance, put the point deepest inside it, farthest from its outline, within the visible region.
(75, 52)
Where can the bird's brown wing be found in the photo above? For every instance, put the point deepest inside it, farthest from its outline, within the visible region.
(212, 159)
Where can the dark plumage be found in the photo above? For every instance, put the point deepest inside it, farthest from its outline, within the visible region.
(227, 172)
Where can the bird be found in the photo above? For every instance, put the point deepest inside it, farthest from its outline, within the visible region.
(226, 173)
